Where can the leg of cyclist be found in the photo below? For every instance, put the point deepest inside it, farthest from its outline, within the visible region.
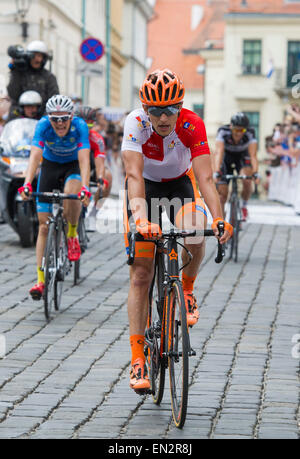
(247, 191)
(37, 290)
(72, 210)
(141, 274)
(191, 216)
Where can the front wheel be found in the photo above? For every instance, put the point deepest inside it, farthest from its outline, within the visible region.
(62, 263)
(50, 269)
(178, 353)
(235, 222)
(156, 359)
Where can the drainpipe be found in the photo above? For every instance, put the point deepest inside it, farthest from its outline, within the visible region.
(108, 50)
(83, 34)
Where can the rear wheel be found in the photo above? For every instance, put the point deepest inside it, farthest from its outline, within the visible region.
(50, 271)
(178, 353)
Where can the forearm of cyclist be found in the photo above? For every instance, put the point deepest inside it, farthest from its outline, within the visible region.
(34, 162)
(84, 165)
(218, 156)
(134, 166)
(252, 149)
(100, 167)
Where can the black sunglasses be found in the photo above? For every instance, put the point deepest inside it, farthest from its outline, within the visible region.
(158, 111)
(57, 119)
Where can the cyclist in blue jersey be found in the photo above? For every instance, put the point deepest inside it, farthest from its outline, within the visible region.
(61, 141)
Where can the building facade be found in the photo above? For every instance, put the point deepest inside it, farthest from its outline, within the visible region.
(136, 15)
(62, 24)
(256, 70)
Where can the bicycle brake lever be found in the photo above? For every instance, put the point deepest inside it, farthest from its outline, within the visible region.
(221, 251)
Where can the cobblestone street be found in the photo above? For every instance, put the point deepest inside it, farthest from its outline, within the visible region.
(69, 378)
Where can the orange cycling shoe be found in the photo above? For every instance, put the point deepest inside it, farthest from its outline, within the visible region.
(139, 376)
(74, 250)
(37, 291)
(192, 313)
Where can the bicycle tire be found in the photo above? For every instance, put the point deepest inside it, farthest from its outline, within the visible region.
(83, 240)
(156, 359)
(178, 353)
(50, 271)
(62, 263)
(232, 221)
(237, 232)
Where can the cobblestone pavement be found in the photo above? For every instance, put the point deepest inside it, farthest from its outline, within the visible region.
(69, 378)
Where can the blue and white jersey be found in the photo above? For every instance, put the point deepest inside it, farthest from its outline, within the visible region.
(61, 149)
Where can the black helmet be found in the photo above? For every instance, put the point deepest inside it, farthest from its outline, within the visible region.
(240, 119)
(87, 113)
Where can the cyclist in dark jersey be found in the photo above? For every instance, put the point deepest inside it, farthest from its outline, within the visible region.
(236, 148)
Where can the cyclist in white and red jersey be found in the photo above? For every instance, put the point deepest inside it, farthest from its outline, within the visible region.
(165, 151)
(101, 173)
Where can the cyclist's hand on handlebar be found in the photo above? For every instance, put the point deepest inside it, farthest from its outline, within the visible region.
(228, 230)
(217, 175)
(25, 191)
(85, 195)
(102, 183)
(256, 177)
(147, 229)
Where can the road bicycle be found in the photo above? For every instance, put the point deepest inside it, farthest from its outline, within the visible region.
(167, 336)
(235, 213)
(55, 263)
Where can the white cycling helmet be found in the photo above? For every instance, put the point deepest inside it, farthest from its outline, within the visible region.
(59, 103)
(30, 98)
(37, 47)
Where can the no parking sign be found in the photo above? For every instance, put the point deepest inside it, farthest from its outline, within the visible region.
(91, 49)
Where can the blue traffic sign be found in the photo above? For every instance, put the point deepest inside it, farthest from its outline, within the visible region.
(91, 49)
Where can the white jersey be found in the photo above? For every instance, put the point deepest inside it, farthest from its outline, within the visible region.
(165, 158)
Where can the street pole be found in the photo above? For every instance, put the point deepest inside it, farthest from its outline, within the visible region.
(108, 51)
(83, 33)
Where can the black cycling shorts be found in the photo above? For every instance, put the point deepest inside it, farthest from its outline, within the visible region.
(234, 161)
(54, 176)
(176, 197)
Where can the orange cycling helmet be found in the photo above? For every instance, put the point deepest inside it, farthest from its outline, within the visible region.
(162, 87)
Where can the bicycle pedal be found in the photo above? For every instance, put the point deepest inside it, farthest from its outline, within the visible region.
(192, 353)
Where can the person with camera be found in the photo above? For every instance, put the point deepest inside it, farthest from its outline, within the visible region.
(28, 73)
(29, 106)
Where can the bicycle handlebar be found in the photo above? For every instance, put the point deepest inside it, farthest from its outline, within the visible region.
(235, 177)
(178, 235)
(56, 196)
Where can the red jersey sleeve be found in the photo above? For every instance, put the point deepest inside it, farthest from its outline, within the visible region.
(191, 131)
(97, 144)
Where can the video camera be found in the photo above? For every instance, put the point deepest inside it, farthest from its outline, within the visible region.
(20, 56)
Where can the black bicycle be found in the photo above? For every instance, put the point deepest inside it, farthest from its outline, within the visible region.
(167, 337)
(55, 264)
(235, 213)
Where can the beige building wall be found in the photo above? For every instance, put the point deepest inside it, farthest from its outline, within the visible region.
(228, 90)
(117, 59)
